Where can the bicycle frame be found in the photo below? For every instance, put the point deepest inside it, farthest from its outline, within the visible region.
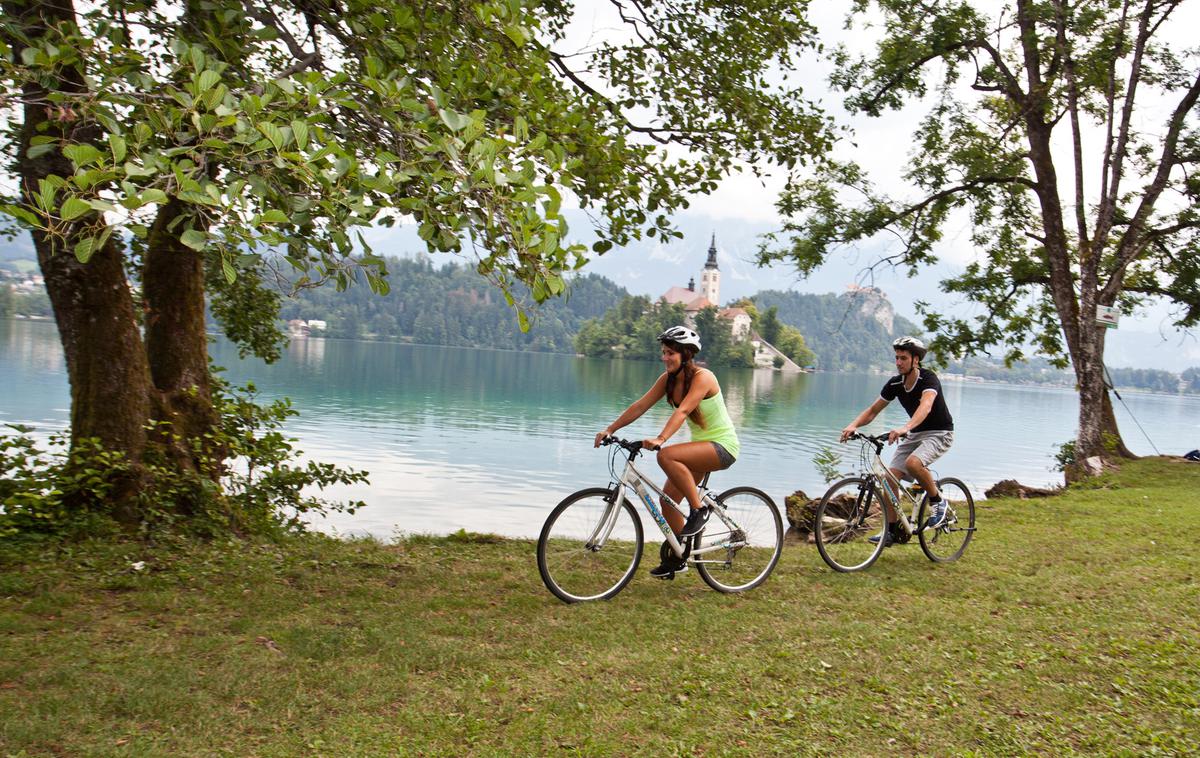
(892, 488)
(633, 479)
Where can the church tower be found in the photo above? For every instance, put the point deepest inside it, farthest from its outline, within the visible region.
(710, 277)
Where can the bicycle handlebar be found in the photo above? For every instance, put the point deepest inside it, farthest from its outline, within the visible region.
(878, 440)
(633, 447)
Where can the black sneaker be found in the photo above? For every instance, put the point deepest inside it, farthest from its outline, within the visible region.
(668, 569)
(695, 521)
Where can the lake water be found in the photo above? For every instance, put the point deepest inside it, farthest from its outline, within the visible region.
(491, 440)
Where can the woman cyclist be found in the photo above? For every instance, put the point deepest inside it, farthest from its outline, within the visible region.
(694, 394)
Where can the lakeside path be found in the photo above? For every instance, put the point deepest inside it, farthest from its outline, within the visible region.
(1071, 626)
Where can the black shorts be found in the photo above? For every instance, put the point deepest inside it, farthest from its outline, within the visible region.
(723, 455)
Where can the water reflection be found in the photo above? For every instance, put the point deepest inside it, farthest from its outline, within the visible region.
(490, 440)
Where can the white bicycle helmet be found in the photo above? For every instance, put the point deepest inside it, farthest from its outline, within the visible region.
(912, 345)
(681, 335)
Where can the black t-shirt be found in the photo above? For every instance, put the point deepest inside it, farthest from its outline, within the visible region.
(939, 415)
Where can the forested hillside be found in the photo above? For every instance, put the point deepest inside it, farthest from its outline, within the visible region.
(452, 305)
(837, 329)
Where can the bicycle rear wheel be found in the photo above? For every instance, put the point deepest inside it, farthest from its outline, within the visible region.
(849, 515)
(948, 541)
(575, 558)
(753, 547)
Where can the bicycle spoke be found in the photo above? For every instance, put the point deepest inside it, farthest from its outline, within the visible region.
(572, 570)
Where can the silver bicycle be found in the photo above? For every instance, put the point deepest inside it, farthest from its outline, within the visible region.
(591, 544)
(850, 522)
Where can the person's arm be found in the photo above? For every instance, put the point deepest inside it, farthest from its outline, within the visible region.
(636, 409)
(702, 384)
(867, 416)
(923, 409)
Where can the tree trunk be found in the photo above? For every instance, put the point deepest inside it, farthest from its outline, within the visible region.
(1099, 442)
(173, 288)
(93, 307)
(119, 383)
(1098, 435)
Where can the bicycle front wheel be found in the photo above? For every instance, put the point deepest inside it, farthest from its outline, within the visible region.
(948, 541)
(850, 514)
(752, 540)
(589, 547)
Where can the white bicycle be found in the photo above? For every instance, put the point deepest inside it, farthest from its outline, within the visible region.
(591, 543)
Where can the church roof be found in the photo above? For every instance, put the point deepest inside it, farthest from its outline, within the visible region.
(692, 300)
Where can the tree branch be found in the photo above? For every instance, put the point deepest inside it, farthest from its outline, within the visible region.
(1063, 51)
(1132, 241)
(942, 194)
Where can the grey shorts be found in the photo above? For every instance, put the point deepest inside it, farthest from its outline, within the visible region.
(927, 446)
(723, 455)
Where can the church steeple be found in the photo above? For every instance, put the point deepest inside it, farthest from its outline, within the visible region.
(710, 277)
(712, 253)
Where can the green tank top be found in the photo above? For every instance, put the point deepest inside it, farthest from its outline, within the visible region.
(717, 427)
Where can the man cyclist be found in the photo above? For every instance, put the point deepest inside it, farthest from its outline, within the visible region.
(930, 428)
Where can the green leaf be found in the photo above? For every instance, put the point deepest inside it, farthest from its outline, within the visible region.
(82, 155)
(136, 172)
(207, 80)
(153, 196)
(229, 271)
(194, 239)
(116, 143)
(23, 214)
(456, 121)
(73, 208)
(273, 133)
(274, 216)
(300, 131)
(101, 205)
(38, 151)
(86, 248)
(518, 34)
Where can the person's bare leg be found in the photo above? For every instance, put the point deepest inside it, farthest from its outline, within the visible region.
(683, 463)
(671, 510)
(923, 475)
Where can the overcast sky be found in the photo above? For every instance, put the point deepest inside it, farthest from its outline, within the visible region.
(743, 207)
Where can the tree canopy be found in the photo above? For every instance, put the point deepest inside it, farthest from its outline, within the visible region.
(1065, 133)
(199, 148)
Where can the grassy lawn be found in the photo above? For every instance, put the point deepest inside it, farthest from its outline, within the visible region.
(1070, 626)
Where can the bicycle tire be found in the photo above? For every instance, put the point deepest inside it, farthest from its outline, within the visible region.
(948, 542)
(570, 569)
(850, 513)
(742, 568)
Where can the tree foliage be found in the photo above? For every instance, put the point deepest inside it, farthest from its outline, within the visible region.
(629, 329)
(174, 144)
(1065, 132)
(451, 305)
(293, 126)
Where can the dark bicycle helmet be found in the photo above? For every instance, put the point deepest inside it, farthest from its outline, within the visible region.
(681, 335)
(912, 345)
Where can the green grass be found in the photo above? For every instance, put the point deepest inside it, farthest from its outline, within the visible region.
(1070, 626)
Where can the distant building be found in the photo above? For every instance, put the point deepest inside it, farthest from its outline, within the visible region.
(739, 320)
(710, 277)
(741, 328)
(709, 295)
(317, 325)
